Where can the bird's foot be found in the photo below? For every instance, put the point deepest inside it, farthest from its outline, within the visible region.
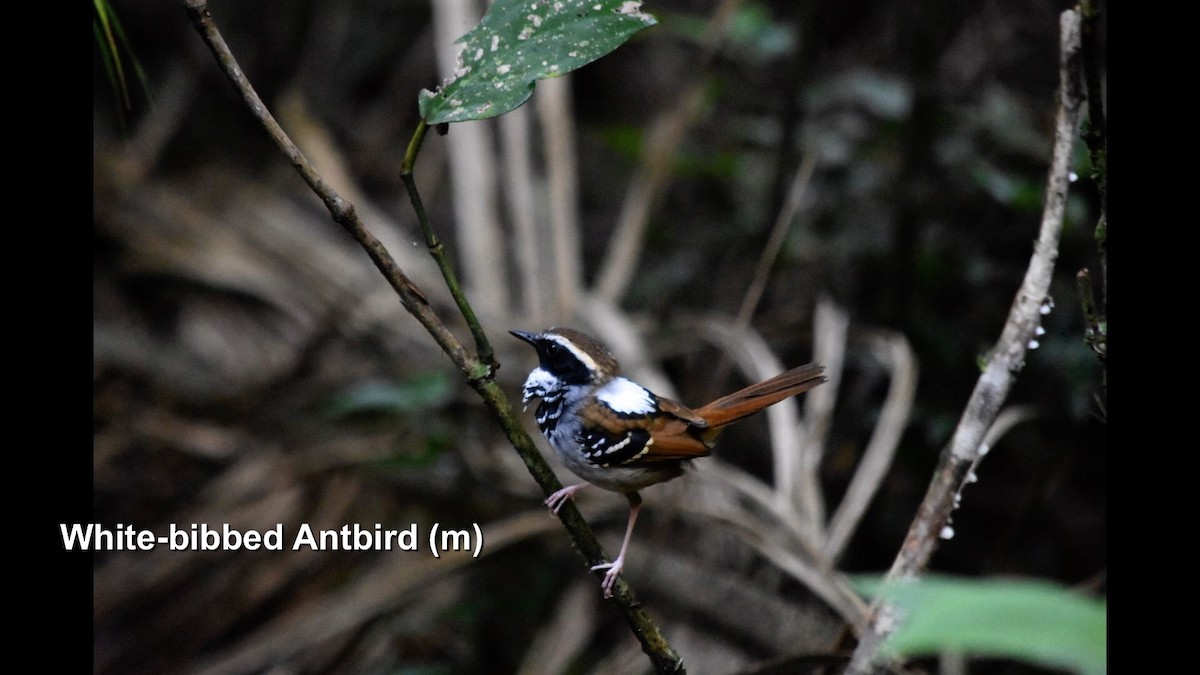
(556, 500)
(610, 577)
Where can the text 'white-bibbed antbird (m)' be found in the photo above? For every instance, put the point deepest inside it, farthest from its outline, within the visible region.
(620, 436)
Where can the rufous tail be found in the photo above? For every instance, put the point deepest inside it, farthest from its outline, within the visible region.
(745, 402)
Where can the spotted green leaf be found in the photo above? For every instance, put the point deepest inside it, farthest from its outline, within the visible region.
(519, 42)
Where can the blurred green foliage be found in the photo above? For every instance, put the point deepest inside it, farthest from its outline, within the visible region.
(1033, 621)
(420, 393)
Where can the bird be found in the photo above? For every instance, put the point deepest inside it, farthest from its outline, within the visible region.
(618, 435)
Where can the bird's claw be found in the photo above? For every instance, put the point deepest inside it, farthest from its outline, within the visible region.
(610, 577)
(560, 497)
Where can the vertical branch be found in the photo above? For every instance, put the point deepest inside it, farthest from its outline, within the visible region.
(830, 327)
(473, 173)
(566, 254)
(1004, 362)
(521, 199)
(1096, 138)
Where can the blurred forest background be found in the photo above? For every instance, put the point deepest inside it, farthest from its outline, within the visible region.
(253, 368)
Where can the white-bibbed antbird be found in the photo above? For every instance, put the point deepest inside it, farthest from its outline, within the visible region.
(620, 436)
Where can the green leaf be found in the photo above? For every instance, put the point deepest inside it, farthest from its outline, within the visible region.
(1032, 621)
(522, 41)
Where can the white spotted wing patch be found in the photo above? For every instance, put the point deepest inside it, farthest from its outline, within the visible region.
(627, 398)
(604, 449)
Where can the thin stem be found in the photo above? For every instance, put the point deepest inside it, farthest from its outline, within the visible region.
(483, 347)
(770, 252)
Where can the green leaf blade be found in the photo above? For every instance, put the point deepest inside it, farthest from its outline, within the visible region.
(1028, 620)
(519, 42)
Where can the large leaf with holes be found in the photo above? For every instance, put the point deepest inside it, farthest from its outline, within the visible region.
(522, 41)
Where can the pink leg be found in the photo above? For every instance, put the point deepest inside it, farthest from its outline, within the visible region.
(556, 500)
(614, 568)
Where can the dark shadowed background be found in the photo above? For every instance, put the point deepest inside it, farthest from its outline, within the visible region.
(252, 368)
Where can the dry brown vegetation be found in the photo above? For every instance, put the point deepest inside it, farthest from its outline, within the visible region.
(854, 183)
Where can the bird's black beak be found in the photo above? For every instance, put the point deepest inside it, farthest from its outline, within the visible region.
(531, 338)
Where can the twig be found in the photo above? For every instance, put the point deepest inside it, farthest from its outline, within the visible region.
(779, 230)
(830, 327)
(483, 347)
(472, 165)
(479, 370)
(896, 354)
(342, 211)
(788, 435)
(1004, 362)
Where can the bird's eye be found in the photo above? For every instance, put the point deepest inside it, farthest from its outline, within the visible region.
(556, 357)
(564, 363)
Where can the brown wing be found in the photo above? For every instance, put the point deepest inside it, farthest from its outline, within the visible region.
(670, 433)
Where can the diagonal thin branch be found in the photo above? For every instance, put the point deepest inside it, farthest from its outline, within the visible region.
(341, 210)
(479, 370)
(1005, 361)
(770, 252)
